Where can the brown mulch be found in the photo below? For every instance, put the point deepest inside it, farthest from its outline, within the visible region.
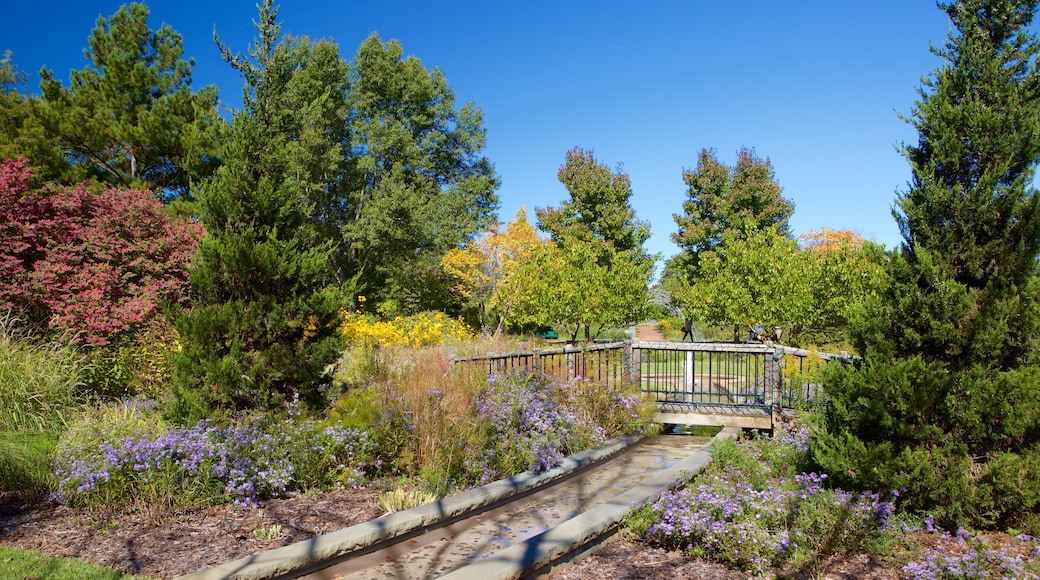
(626, 560)
(164, 544)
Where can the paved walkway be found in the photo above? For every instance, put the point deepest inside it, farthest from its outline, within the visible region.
(648, 331)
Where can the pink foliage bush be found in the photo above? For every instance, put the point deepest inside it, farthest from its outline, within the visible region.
(95, 265)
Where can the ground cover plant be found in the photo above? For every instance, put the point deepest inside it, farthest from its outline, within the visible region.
(759, 508)
(160, 465)
(755, 509)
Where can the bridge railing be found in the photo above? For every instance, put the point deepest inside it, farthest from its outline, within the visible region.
(603, 363)
(707, 373)
(710, 373)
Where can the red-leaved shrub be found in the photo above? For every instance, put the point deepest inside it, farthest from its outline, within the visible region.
(94, 265)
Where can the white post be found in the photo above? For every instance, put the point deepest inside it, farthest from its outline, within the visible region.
(688, 381)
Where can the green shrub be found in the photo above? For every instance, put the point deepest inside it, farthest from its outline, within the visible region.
(142, 367)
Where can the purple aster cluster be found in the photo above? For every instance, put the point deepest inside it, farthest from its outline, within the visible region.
(243, 464)
(735, 516)
(526, 423)
(965, 555)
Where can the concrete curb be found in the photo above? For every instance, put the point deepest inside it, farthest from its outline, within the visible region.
(365, 537)
(539, 552)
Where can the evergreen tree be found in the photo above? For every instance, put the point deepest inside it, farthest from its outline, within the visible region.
(946, 407)
(131, 118)
(22, 136)
(266, 298)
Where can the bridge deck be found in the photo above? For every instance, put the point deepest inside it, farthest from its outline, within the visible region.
(744, 416)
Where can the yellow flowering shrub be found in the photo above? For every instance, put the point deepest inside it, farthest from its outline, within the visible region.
(423, 329)
(805, 371)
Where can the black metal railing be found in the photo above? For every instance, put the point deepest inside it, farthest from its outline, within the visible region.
(738, 374)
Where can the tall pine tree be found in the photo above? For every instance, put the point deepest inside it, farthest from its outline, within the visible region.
(266, 297)
(947, 405)
(131, 118)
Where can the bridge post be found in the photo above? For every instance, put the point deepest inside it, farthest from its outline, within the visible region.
(633, 364)
(772, 383)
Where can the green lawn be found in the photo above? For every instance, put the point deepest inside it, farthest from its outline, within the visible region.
(16, 563)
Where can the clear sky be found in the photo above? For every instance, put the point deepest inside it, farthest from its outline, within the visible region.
(815, 86)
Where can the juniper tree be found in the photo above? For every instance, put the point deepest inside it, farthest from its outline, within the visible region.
(266, 298)
(946, 407)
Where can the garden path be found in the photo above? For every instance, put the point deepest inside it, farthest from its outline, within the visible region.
(649, 331)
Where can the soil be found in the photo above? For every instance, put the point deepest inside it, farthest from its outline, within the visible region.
(626, 560)
(161, 543)
(649, 332)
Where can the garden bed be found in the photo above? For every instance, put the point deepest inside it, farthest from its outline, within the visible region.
(165, 544)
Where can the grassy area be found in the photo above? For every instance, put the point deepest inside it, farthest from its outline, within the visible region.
(17, 563)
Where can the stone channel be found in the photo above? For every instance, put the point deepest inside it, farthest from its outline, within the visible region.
(464, 542)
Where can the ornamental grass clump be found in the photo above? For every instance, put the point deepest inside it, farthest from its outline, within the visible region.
(40, 381)
(452, 426)
(752, 511)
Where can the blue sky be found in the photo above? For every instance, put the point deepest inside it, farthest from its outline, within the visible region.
(814, 86)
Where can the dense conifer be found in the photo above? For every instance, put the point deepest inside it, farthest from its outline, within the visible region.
(266, 297)
(946, 407)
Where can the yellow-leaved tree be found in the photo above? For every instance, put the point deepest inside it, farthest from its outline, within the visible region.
(486, 270)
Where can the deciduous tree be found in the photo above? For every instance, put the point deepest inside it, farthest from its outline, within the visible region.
(720, 199)
(597, 273)
(488, 270)
(417, 183)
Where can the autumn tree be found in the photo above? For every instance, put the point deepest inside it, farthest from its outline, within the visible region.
(131, 118)
(417, 183)
(266, 298)
(487, 271)
(946, 407)
(96, 266)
